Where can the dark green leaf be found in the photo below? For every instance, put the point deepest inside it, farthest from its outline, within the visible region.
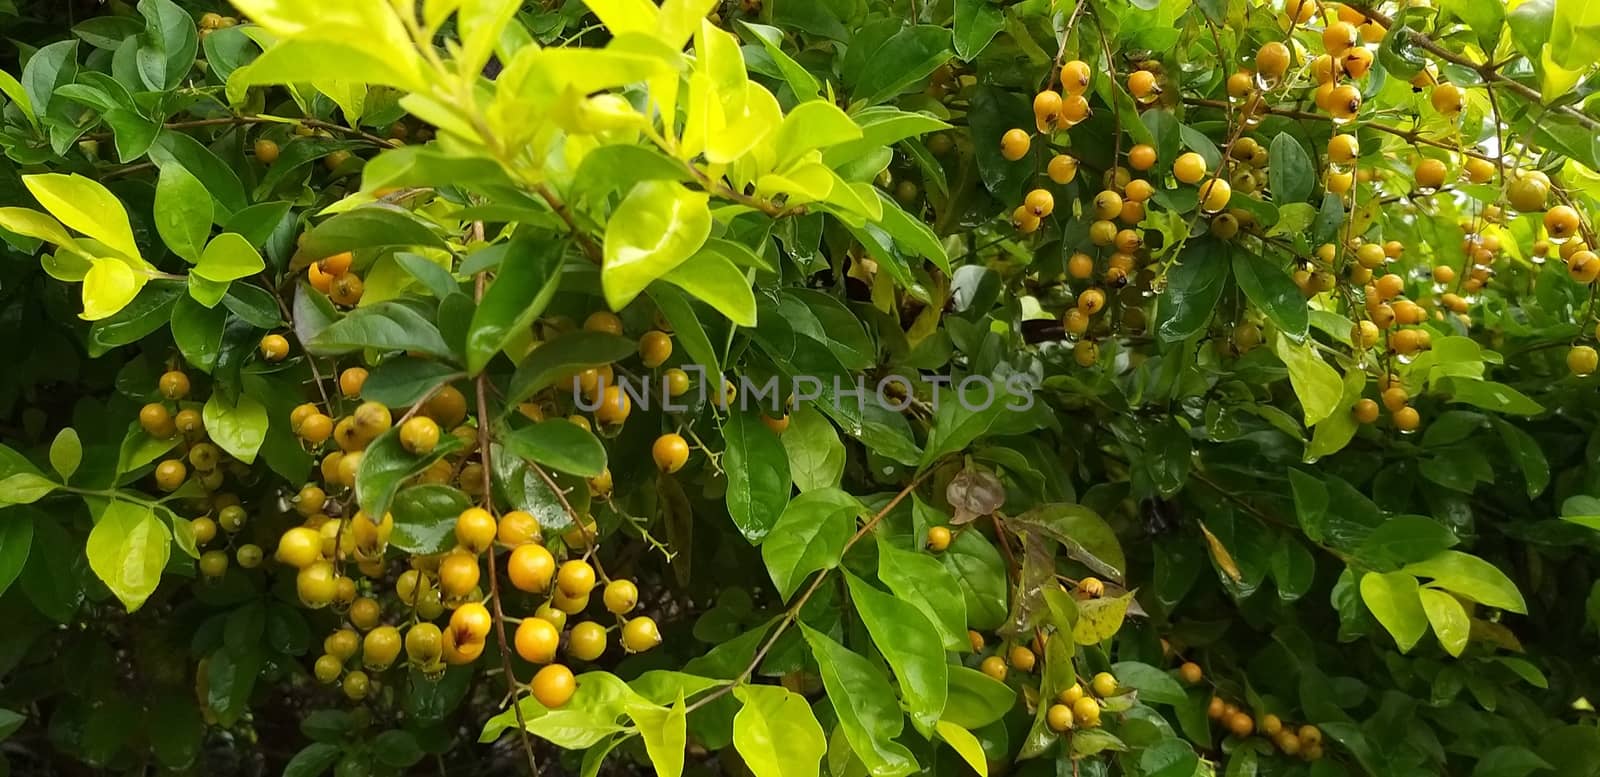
(386, 464)
(758, 474)
(559, 444)
(525, 284)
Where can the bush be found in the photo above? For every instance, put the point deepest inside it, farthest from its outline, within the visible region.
(881, 388)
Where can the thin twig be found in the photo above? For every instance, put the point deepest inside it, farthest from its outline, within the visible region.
(481, 281)
(793, 613)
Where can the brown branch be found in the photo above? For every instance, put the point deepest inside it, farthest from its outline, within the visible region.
(1411, 136)
(481, 281)
(1488, 69)
(233, 121)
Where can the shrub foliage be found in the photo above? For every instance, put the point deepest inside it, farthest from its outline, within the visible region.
(881, 387)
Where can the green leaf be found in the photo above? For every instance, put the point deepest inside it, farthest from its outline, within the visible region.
(183, 212)
(588, 717)
(48, 70)
(127, 549)
(976, 700)
(1272, 291)
(1470, 577)
(912, 234)
(680, 314)
(1193, 288)
(229, 257)
(386, 463)
(908, 640)
(525, 284)
(386, 326)
(238, 427)
(25, 488)
(561, 358)
(369, 227)
(810, 535)
(865, 703)
(1315, 382)
(1404, 539)
(559, 444)
(922, 581)
(1153, 685)
(1489, 395)
(197, 331)
(1450, 622)
(1087, 537)
(981, 573)
(1291, 175)
(167, 46)
(816, 455)
(313, 760)
(1525, 451)
(425, 518)
(1392, 598)
(404, 380)
(16, 540)
(714, 280)
(658, 226)
(758, 474)
(805, 85)
(87, 207)
(665, 735)
(905, 58)
(66, 453)
(976, 23)
(775, 732)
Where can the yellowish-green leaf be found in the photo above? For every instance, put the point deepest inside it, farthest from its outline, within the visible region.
(238, 428)
(709, 276)
(1450, 622)
(31, 223)
(127, 550)
(1471, 577)
(229, 257)
(812, 125)
(84, 205)
(658, 226)
(665, 735)
(370, 30)
(679, 19)
(13, 89)
(759, 118)
(966, 745)
(776, 733)
(1315, 382)
(304, 61)
(1100, 618)
(622, 16)
(108, 287)
(480, 23)
(1331, 434)
(1392, 598)
(25, 488)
